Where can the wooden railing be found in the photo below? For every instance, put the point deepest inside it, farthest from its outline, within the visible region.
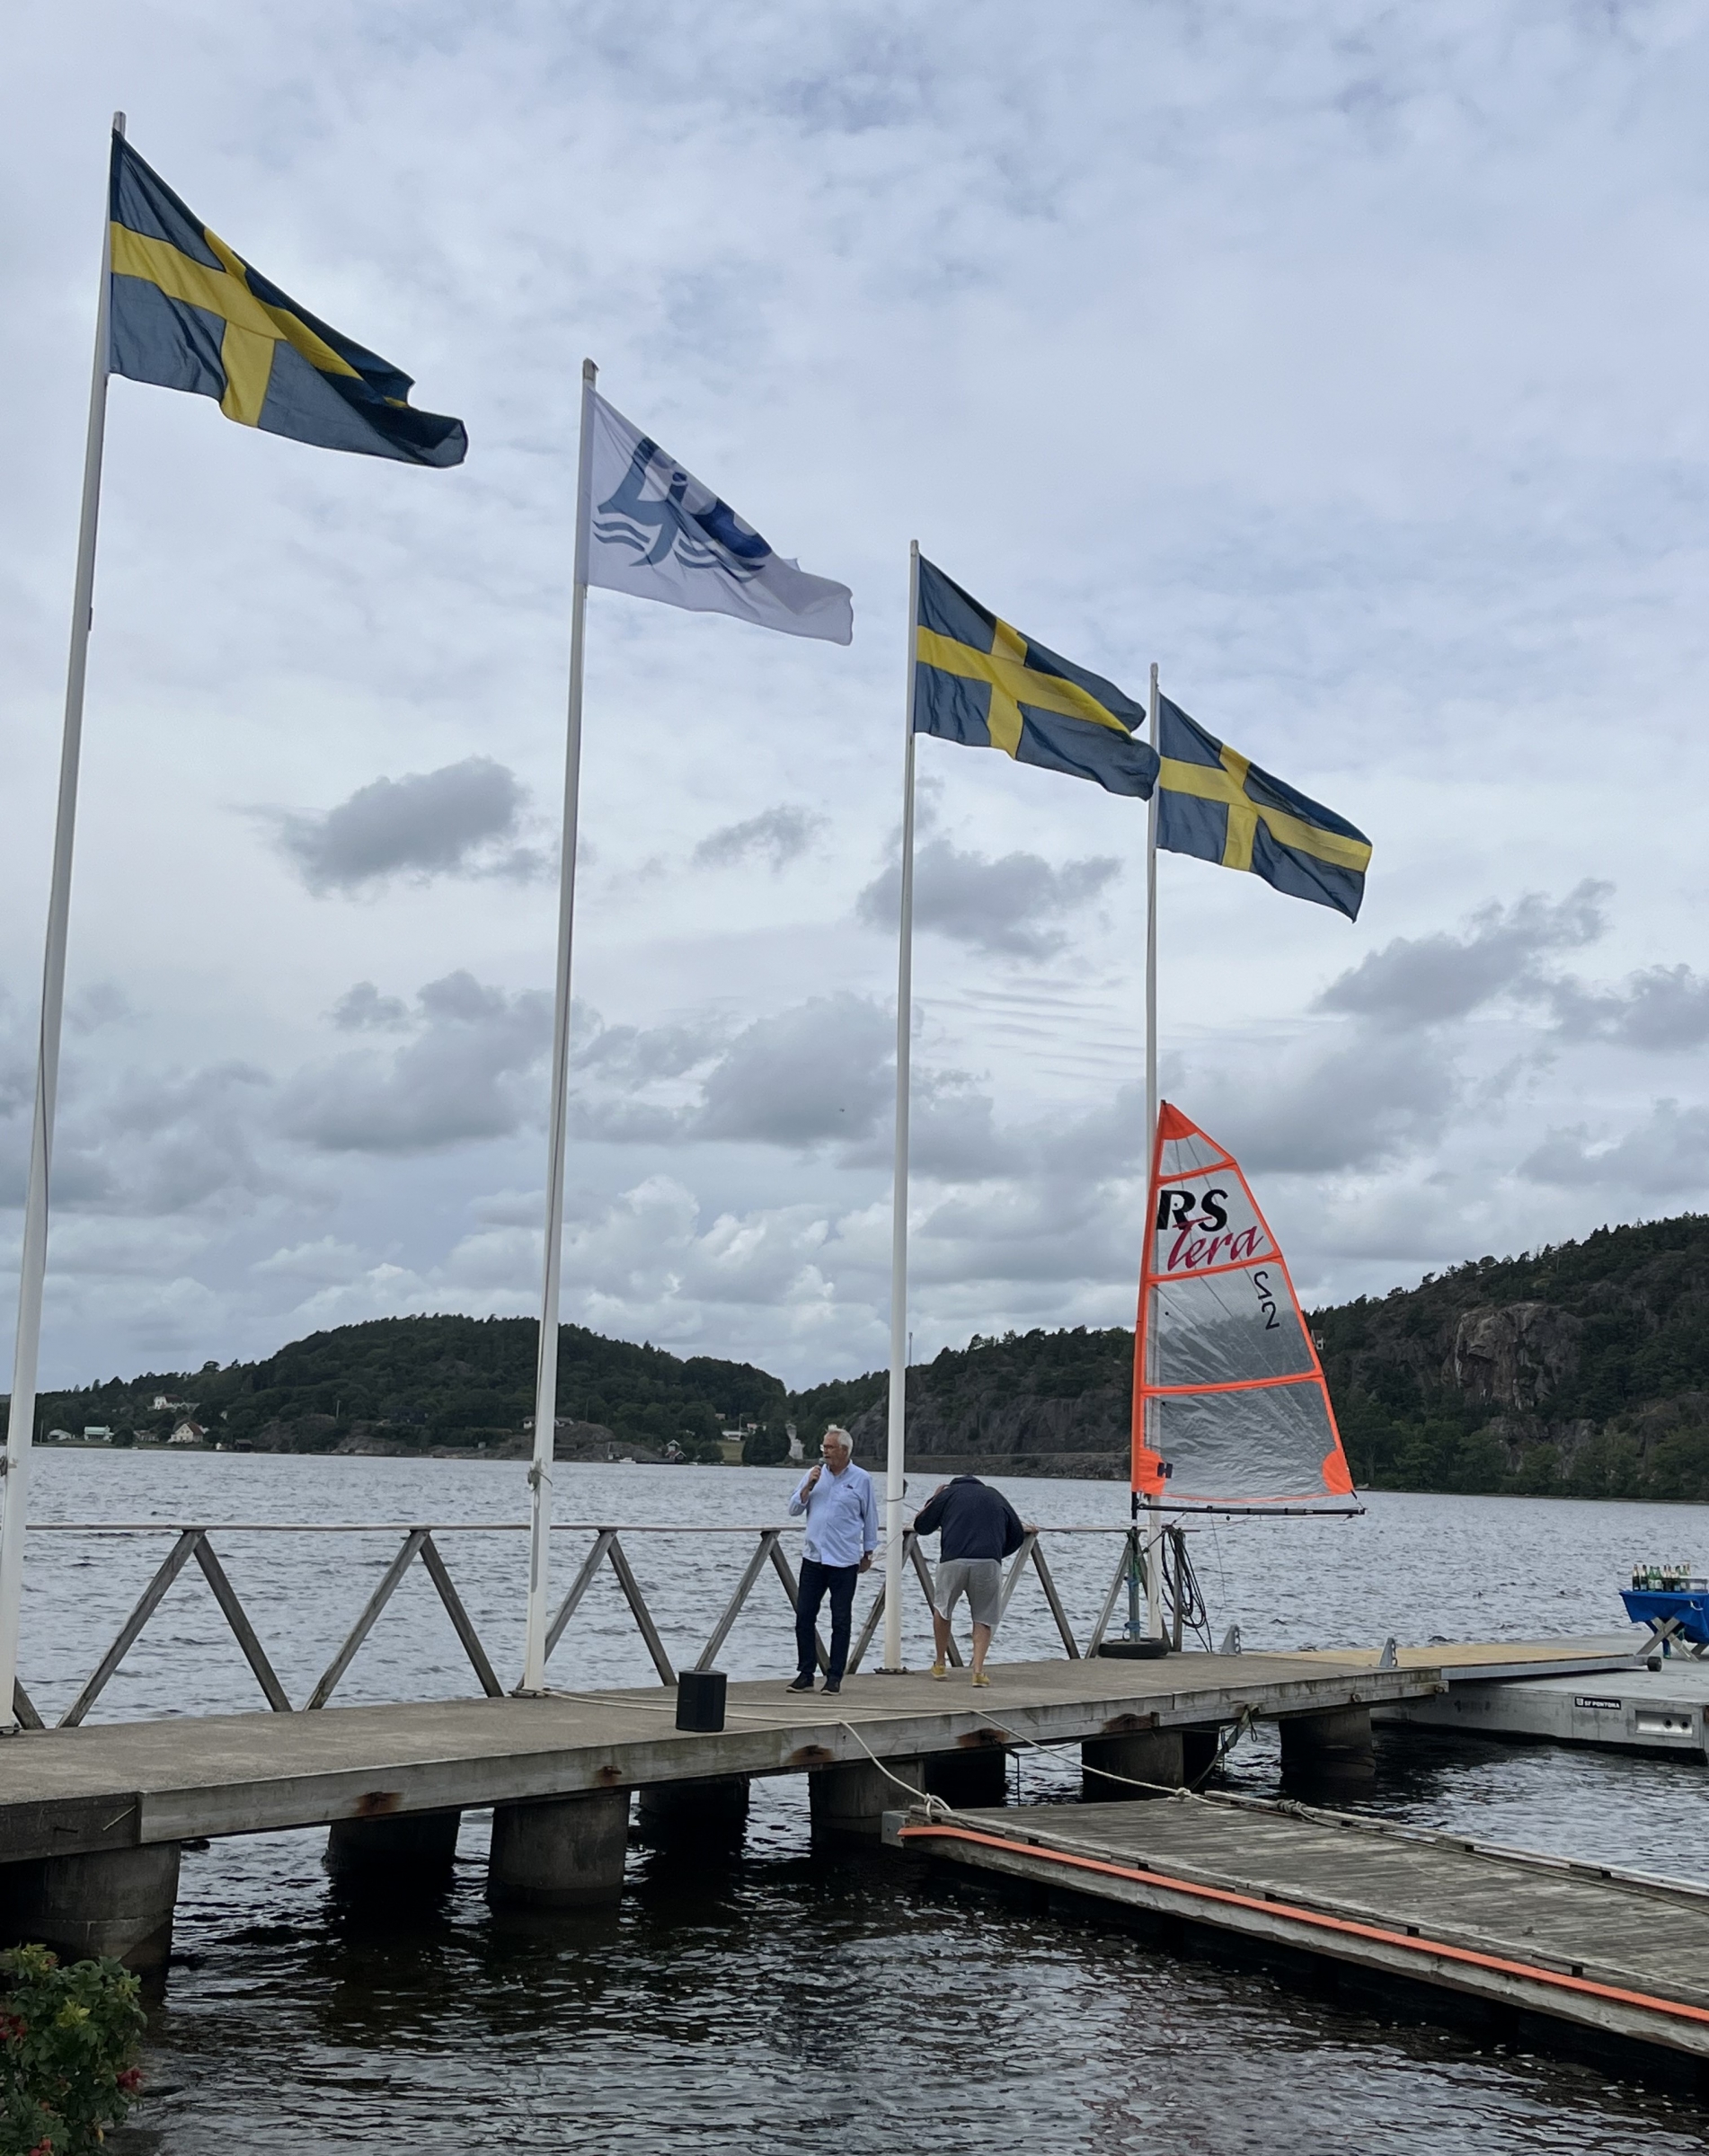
(194, 1542)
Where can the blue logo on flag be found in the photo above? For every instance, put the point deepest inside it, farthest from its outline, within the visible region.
(688, 520)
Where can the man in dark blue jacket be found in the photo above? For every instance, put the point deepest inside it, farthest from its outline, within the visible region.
(978, 1528)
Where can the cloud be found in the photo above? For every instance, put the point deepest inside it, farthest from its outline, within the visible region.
(1429, 980)
(635, 1054)
(823, 1073)
(149, 1144)
(101, 1003)
(326, 1259)
(1666, 1156)
(1660, 1007)
(783, 834)
(1359, 1104)
(461, 820)
(465, 1075)
(1009, 905)
(363, 1008)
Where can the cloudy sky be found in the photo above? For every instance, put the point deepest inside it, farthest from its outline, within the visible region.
(1347, 361)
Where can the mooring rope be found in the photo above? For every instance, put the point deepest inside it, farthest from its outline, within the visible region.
(1244, 1721)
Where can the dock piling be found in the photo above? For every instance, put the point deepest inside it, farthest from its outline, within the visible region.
(853, 1800)
(695, 1814)
(975, 1775)
(413, 1852)
(566, 1852)
(1333, 1745)
(1155, 1756)
(116, 1902)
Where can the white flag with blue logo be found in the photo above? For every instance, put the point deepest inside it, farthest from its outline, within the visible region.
(656, 532)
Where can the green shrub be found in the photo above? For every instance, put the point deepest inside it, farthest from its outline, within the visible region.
(68, 2040)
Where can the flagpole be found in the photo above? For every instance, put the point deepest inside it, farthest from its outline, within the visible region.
(896, 1456)
(32, 1265)
(1154, 1571)
(545, 1381)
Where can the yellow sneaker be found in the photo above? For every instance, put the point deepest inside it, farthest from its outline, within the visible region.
(940, 1671)
(981, 1678)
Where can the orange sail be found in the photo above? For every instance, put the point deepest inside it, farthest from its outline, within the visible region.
(1230, 1408)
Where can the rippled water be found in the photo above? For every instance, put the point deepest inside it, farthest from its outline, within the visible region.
(796, 1999)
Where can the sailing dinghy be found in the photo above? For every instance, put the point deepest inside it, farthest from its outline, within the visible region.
(1230, 1410)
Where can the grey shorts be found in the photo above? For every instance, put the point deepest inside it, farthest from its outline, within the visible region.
(979, 1579)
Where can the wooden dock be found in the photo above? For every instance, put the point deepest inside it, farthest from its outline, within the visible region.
(1579, 1951)
(120, 1785)
(93, 1817)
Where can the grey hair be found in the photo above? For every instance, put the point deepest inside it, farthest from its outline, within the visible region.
(836, 1429)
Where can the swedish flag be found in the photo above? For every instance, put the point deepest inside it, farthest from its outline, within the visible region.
(1216, 803)
(189, 313)
(979, 682)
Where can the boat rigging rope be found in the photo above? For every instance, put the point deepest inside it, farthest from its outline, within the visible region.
(1245, 1721)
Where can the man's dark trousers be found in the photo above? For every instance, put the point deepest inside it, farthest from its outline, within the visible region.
(817, 1580)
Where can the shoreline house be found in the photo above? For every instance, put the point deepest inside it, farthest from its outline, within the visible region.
(188, 1433)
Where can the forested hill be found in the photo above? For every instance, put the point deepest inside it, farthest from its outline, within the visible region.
(413, 1384)
(1580, 1371)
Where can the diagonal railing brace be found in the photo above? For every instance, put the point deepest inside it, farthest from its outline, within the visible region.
(1123, 1563)
(768, 1538)
(461, 1619)
(608, 1550)
(147, 1602)
(638, 1609)
(243, 1632)
(364, 1624)
(579, 1586)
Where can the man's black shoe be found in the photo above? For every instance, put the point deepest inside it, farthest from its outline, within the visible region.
(833, 1685)
(804, 1684)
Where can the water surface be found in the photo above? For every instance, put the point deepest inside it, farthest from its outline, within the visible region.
(796, 1999)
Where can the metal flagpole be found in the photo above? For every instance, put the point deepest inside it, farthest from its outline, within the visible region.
(33, 1259)
(545, 1382)
(1154, 1569)
(896, 1456)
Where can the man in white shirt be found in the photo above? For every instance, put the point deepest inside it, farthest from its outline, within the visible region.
(836, 1548)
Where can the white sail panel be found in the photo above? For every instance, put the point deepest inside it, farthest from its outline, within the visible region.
(1228, 1329)
(1230, 1406)
(1264, 1445)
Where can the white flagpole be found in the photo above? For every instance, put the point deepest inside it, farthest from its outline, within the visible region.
(545, 1382)
(896, 1457)
(21, 1418)
(1154, 1548)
